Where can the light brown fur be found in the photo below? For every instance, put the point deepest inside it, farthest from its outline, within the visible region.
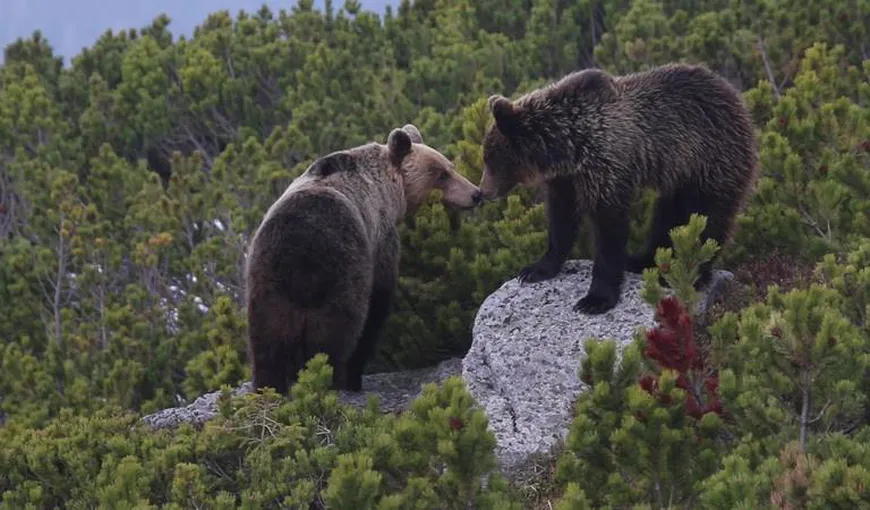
(324, 262)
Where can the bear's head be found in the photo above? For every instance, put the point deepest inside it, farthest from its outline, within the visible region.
(424, 169)
(506, 165)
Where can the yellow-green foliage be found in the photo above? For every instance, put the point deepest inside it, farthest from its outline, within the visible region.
(263, 452)
(132, 178)
(791, 377)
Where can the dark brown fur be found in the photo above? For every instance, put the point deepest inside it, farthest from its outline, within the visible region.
(594, 140)
(323, 264)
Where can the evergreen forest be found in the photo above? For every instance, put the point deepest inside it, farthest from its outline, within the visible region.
(133, 174)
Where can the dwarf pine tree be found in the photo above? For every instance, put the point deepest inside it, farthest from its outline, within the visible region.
(754, 418)
(133, 174)
(263, 451)
(646, 430)
(796, 386)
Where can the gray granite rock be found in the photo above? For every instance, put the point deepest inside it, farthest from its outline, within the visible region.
(196, 413)
(396, 391)
(523, 364)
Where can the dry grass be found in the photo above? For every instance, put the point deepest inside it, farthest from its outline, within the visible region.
(775, 268)
(539, 490)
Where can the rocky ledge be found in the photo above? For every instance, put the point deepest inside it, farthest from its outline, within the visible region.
(522, 367)
(524, 361)
(396, 390)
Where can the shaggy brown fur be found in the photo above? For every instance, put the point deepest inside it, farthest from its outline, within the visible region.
(594, 140)
(323, 264)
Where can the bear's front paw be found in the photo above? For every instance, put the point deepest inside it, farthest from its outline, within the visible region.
(537, 272)
(594, 304)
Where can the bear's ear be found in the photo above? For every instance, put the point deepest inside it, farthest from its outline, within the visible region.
(505, 114)
(413, 132)
(399, 144)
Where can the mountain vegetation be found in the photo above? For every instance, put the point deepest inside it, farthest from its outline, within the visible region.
(132, 179)
(73, 26)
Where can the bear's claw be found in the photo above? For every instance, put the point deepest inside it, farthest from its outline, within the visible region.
(536, 272)
(592, 304)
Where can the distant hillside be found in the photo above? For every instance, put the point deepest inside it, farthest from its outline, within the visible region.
(70, 26)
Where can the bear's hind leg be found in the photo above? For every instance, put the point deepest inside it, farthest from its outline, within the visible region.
(379, 310)
(270, 369)
(563, 222)
(386, 274)
(669, 212)
(608, 270)
(333, 331)
(276, 339)
(721, 212)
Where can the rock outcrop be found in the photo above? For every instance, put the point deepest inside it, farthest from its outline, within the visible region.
(396, 390)
(523, 365)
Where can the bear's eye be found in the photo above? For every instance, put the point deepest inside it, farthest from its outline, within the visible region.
(444, 175)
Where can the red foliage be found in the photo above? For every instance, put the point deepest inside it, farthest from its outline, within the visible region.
(672, 345)
(649, 383)
(456, 423)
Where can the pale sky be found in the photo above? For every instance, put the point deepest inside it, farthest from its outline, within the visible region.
(70, 25)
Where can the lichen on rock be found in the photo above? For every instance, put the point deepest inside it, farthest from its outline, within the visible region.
(524, 361)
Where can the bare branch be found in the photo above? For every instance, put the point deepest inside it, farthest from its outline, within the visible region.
(192, 138)
(805, 413)
(228, 57)
(812, 223)
(821, 413)
(62, 259)
(768, 68)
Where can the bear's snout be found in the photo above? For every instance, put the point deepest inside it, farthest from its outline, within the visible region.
(490, 187)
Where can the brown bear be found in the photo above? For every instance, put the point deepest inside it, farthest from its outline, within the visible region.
(323, 263)
(593, 140)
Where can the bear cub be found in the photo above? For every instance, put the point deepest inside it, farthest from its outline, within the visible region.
(323, 264)
(593, 140)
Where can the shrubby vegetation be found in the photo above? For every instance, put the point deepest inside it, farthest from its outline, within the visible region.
(131, 179)
(771, 411)
(263, 452)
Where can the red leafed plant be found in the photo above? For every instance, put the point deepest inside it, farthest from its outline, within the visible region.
(672, 345)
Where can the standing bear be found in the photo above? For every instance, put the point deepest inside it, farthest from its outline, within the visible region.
(323, 264)
(593, 140)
